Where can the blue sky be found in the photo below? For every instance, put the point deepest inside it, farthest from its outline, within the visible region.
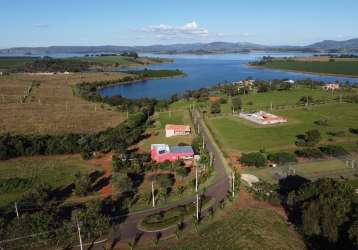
(133, 22)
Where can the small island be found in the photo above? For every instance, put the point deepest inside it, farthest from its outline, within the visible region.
(342, 65)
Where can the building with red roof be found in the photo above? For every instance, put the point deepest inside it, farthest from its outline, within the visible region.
(174, 130)
(162, 152)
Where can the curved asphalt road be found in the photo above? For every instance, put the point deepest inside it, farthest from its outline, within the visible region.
(128, 229)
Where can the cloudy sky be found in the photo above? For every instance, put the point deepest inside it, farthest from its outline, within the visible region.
(134, 22)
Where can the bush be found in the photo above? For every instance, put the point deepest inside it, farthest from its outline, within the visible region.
(321, 122)
(253, 159)
(282, 157)
(340, 133)
(309, 139)
(309, 153)
(353, 130)
(333, 150)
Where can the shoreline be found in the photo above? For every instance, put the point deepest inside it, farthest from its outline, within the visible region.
(136, 81)
(299, 71)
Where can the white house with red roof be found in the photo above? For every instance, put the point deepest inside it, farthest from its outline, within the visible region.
(174, 130)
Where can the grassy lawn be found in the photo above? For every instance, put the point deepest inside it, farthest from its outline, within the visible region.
(56, 171)
(51, 106)
(279, 98)
(336, 67)
(157, 133)
(333, 168)
(249, 228)
(235, 134)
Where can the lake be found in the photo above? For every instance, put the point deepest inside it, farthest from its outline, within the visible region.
(209, 70)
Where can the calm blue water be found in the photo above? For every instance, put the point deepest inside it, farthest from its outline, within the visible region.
(205, 71)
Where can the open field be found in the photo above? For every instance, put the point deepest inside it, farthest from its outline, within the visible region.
(238, 135)
(332, 168)
(233, 228)
(157, 133)
(56, 171)
(46, 104)
(121, 61)
(343, 67)
(9, 63)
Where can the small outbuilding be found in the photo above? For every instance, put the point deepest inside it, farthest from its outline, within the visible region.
(175, 130)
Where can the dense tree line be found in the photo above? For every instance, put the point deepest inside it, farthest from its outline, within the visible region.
(48, 64)
(118, 138)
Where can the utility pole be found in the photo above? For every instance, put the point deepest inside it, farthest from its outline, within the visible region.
(203, 142)
(16, 210)
(233, 185)
(153, 198)
(79, 233)
(95, 108)
(197, 207)
(271, 105)
(196, 179)
(211, 159)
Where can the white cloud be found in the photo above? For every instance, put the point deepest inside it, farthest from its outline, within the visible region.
(41, 25)
(190, 29)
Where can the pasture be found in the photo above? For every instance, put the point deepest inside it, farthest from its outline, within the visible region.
(233, 228)
(332, 168)
(46, 104)
(237, 135)
(347, 67)
(56, 171)
(121, 61)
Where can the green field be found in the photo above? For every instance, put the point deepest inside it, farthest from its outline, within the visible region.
(333, 168)
(337, 68)
(253, 228)
(10, 63)
(235, 134)
(121, 61)
(56, 171)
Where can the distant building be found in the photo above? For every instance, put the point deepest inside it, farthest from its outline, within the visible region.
(214, 98)
(331, 86)
(162, 152)
(290, 81)
(247, 84)
(1, 73)
(263, 118)
(174, 130)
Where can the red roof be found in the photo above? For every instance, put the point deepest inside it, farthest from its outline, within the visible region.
(181, 128)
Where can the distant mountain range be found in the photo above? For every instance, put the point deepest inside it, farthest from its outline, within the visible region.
(192, 48)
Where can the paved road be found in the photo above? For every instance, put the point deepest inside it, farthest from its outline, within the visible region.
(128, 229)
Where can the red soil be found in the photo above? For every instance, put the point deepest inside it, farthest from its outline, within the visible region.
(106, 162)
(247, 201)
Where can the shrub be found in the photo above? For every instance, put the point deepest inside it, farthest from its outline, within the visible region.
(353, 130)
(282, 157)
(254, 159)
(337, 133)
(309, 153)
(333, 150)
(321, 122)
(309, 138)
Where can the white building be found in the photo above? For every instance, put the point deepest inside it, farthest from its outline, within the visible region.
(174, 130)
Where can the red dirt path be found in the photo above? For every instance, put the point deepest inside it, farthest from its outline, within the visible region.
(106, 162)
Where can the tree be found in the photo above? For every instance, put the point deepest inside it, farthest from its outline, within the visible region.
(215, 108)
(123, 182)
(182, 171)
(253, 159)
(236, 103)
(282, 157)
(93, 222)
(324, 206)
(82, 184)
(309, 138)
